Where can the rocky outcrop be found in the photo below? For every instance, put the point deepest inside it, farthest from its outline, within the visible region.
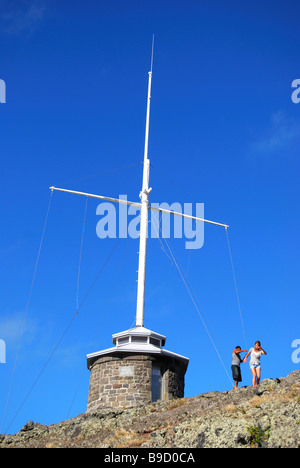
(266, 417)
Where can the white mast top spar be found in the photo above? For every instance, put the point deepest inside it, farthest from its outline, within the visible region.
(144, 207)
(144, 196)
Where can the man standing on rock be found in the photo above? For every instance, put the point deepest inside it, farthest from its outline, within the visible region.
(235, 365)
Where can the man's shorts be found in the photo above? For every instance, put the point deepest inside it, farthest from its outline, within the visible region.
(236, 373)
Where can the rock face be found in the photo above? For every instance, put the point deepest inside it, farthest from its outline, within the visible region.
(266, 417)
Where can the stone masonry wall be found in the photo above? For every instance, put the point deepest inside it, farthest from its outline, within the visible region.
(124, 381)
(174, 380)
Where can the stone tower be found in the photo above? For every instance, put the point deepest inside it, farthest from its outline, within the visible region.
(136, 371)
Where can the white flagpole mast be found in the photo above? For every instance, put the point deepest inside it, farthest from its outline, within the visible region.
(144, 196)
(145, 207)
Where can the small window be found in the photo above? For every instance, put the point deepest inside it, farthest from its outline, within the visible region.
(157, 384)
(154, 341)
(123, 340)
(139, 339)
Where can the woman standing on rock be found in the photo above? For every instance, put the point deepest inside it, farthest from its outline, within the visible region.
(255, 368)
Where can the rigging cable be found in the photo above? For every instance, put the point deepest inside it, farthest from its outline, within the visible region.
(27, 307)
(236, 289)
(195, 305)
(62, 336)
(80, 255)
(116, 282)
(230, 254)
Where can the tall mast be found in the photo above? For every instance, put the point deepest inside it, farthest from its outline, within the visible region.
(144, 196)
(144, 206)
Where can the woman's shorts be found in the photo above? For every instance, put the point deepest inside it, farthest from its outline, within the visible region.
(254, 366)
(236, 373)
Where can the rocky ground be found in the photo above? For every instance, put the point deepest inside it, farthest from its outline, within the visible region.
(266, 417)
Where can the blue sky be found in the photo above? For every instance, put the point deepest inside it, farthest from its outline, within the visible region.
(223, 131)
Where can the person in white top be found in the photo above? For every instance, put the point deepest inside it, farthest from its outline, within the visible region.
(255, 368)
